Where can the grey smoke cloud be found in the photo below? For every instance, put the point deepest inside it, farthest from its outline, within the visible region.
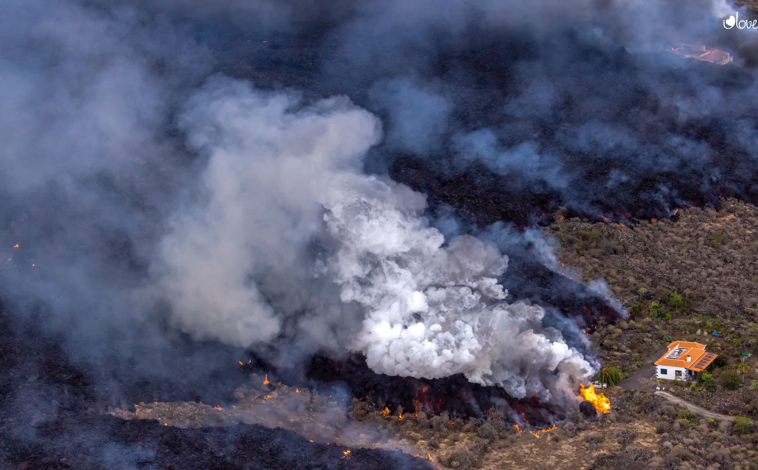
(278, 176)
(419, 115)
(271, 166)
(151, 193)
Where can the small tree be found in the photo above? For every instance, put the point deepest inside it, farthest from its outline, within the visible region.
(610, 375)
(730, 380)
(707, 380)
(676, 301)
(742, 424)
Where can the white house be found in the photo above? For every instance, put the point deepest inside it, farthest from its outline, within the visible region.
(683, 361)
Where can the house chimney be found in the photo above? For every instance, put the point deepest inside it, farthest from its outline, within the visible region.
(689, 358)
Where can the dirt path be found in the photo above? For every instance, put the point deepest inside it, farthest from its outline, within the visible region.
(693, 408)
(644, 377)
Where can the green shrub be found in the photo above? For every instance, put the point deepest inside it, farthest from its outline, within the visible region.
(742, 424)
(742, 368)
(686, 415)
(718, 238)
(707, 380)
(676, 301)
(610, 375)
(730, 380)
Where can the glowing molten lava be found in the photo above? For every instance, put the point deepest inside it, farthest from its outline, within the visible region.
(600, 401)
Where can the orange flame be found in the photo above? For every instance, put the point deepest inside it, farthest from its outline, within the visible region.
(427, 457)
(601, 402)
(297, 390)
(15, 246)
(266, 382)
(218, 408)
(346, 455)
(386, 412)
(538, 433)
(401, 416)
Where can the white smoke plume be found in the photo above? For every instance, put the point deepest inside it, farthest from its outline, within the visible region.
(284, 203)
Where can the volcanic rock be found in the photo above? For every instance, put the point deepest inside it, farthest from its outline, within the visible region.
(588, 409)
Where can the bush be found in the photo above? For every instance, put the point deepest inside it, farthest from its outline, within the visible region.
(742, 424)
(360, 409)
(610, 375)
(676, 301)
(718, 238)
(625, 437)
(707, 380)
(686, 415)
(486, 431)
(439, 423)
(461, 459)
(496, 419)
(730, 380)
(662, 427)
(638, 308)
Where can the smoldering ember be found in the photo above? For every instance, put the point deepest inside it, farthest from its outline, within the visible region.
(394, 234)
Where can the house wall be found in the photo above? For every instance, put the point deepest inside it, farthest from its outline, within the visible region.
(671, 373)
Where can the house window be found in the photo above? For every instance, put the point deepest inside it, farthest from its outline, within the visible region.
(679, 373)
(664, 372)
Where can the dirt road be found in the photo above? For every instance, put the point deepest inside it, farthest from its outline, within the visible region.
(694, 408)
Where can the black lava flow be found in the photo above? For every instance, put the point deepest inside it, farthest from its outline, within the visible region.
(52, 417)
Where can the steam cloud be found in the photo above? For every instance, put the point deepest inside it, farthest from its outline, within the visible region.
(280, 176)
(151, 184)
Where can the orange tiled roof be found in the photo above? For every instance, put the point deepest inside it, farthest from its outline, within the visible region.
(699, 358)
